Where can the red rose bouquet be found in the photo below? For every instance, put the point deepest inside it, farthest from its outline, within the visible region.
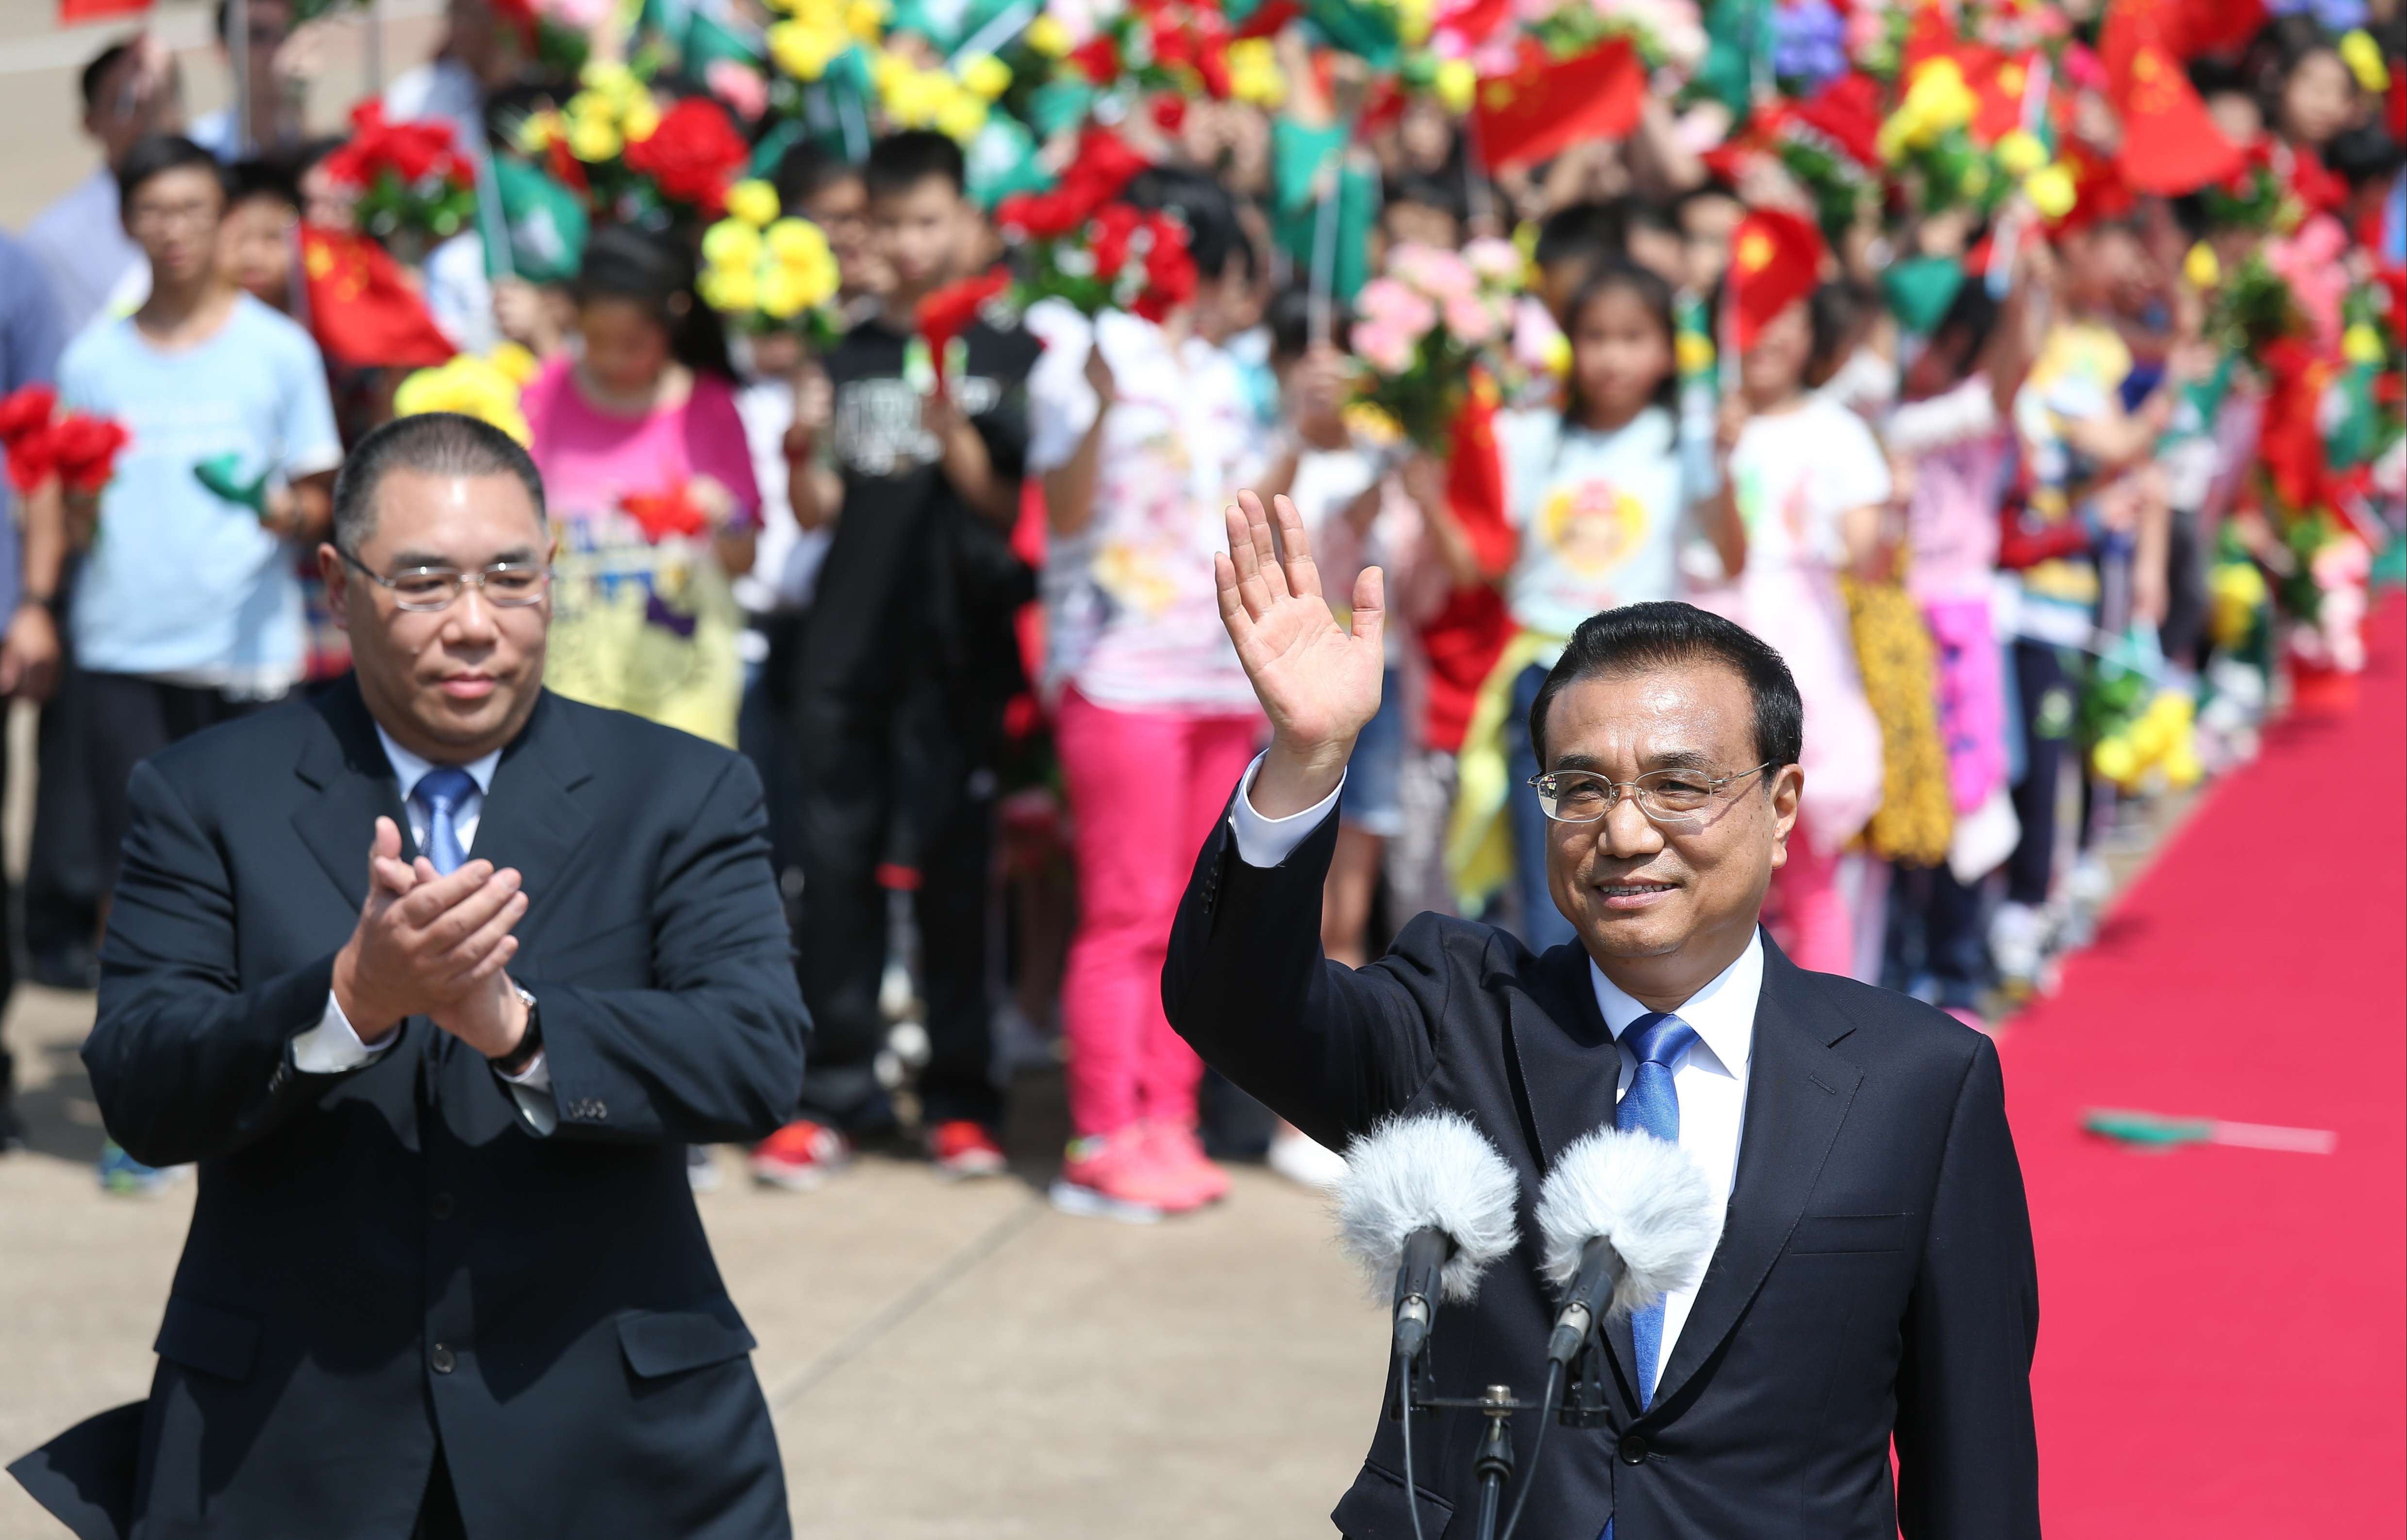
(1083, 246)
(79, 450)
(414, 185)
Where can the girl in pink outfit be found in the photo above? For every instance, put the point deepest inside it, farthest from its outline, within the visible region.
(1809, 483)
(1143, 432)
(650, 485)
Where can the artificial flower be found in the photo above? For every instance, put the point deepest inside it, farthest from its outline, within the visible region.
(2020, 152)
(984, 76)
(692, 155)
(484, 389)
(2052, 191)
(754, 202)
(2202, 267)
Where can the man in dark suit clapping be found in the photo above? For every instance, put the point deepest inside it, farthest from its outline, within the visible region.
(1873, 1283)
(435, 976)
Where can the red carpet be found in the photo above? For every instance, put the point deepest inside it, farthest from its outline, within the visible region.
(2223, 1332)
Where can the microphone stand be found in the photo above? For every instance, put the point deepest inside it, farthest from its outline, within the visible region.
(1493, 1462)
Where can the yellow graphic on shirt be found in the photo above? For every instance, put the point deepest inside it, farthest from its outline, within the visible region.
(1592, 527)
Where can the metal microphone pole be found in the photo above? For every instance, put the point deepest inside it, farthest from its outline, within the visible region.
(1494, 1464)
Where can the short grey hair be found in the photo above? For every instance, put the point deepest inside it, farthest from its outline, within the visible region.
(430, 444)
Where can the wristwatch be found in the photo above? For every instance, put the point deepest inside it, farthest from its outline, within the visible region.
(518, 1059)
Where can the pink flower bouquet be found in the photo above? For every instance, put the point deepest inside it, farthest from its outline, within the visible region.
(1423, 325)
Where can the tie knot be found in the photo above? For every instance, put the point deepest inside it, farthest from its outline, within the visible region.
(1659, 1038)
(444, 788)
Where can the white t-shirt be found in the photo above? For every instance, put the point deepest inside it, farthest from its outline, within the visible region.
(1796, 475)
(1599, 515)
(1133, 613)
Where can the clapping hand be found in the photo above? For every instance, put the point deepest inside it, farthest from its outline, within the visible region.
(433, 945)
(1318, 681)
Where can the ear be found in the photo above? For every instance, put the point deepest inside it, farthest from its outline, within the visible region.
(1787, 791)
(337, 575)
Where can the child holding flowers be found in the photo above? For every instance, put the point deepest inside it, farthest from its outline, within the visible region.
(644, 458)
(1143, 430)
(1602, 493)
(908, 446)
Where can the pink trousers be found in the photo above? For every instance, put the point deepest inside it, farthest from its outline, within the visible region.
(1145, 789)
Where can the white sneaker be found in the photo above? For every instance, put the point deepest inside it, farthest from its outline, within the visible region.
(2017, 946)
(1305, 1162)
(701, 1169)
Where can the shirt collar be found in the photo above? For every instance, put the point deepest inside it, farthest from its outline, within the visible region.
(1723, 1012)
(409, 768)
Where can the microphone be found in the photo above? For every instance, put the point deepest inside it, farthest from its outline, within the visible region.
(1427, 1204)
(1627, 1218)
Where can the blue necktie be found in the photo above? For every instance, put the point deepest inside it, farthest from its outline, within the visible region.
(1652, 1105)
(443, 789)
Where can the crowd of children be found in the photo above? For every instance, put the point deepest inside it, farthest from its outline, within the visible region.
(868, 459)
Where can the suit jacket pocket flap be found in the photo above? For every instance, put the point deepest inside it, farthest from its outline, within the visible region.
(204, 1337)
(669, 1341)
(1375, 1508)
(1822, 1234)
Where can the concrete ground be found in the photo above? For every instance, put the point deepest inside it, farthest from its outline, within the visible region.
(944, 1363)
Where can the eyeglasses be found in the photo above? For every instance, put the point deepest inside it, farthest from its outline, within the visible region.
(507, 585)
(1670, 799)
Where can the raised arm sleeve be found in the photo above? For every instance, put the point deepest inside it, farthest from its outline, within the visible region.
(713, 1053)
(1968, 1453)
(1329, 1048)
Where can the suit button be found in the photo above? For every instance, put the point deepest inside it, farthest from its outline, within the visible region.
(442, 1360)
(440, 1205)
(1634, 1450)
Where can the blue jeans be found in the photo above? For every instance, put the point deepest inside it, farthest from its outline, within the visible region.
(1542, 925)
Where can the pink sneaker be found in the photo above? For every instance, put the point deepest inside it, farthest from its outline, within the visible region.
(1111, 1177)
(1188, 1178)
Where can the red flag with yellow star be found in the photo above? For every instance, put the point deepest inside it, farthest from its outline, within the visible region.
(1775, 260)
(2171, 143)
(360, 310)
(1543, 107)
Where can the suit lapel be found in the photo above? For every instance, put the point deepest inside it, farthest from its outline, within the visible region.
(1569, 1072)
(1797, 1093)
(354, 784)
(531, 818)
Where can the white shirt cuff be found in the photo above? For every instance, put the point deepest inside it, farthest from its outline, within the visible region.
(334, 1045)
(530, 1089)
(1268, 842)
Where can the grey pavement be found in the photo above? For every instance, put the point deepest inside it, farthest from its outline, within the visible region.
(944, 1361)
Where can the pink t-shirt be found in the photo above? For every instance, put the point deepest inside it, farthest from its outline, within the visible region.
(590, 459)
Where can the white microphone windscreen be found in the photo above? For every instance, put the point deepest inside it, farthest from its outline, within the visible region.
(1432, 1171)
(1643, 1195)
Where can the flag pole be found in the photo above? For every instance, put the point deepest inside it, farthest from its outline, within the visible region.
(238, 48)
(1329, 182)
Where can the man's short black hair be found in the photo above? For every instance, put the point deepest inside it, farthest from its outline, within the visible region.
(159, 154)
(1634, 638)
(901, 162)
(430, 444)
(1289, 318)
(95, 73)
(806, 170)
(1580, 232)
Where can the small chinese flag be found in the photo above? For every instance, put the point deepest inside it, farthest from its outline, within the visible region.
(947, 313)
(360, 311)
(1544, 107)
(75, 13)
(1775, 260)
(2171, 142)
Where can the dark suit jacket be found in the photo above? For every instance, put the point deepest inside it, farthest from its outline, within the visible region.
(1874, 1276)
(392, 1256)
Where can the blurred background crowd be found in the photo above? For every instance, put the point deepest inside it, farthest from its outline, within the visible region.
(2027, 372)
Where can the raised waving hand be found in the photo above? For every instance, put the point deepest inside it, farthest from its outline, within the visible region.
(1317, 680)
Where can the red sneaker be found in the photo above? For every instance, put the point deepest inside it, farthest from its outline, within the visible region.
(1188, 1178)
(1111, 1177)
(799, 1156)
(964, 1149)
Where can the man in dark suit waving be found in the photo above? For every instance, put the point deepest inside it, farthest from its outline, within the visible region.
(1873, 1283)
(436, 975)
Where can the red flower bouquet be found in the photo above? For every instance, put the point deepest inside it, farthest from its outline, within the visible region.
(1085, 248)
(692, 156)
(413, 182)
(79, 448)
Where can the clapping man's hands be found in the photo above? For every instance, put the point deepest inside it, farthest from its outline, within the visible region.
(1319, 683)
(434, 946)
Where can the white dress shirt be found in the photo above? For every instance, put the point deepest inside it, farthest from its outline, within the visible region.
(333, 1045)
(1710, 1079)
